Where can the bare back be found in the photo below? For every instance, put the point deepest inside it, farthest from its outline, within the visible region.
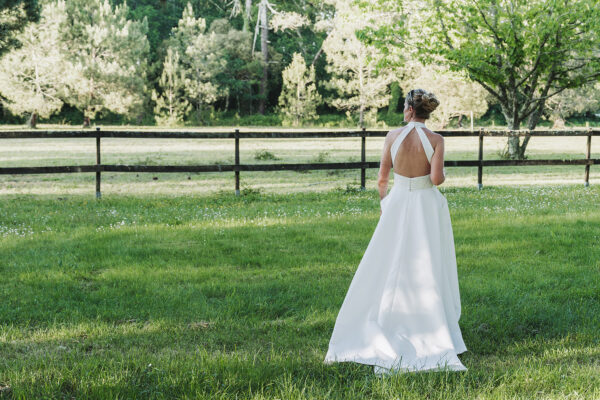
(411, 151)
(411, 158)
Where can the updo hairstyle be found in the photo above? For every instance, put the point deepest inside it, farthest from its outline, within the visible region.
(422, 101)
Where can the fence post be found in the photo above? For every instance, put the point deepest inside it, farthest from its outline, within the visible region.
(363, 158)
(98, 176)
(480, 159)
(237, 162)
(588, 155)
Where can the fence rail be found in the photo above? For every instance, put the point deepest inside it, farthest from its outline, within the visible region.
(237, 135)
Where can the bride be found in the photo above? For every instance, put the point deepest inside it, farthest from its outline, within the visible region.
(401, 311)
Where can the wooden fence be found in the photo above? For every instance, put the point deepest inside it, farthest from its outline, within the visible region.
(237, 135)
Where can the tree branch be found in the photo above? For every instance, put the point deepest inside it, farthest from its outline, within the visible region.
(444, 30)
(536, 63)
(489, 89)
(494, 32)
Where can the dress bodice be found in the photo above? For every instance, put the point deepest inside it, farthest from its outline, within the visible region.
(417, 182)
(422, 136)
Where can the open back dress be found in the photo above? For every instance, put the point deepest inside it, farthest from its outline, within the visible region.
(401, 311)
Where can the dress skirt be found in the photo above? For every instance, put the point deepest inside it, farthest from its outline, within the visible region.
(402, 308)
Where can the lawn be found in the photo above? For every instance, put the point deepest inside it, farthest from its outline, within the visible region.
(213, 296)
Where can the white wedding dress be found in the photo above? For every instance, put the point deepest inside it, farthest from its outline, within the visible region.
(401, 311)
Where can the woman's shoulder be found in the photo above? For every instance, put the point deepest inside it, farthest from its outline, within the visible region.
(392, 134)
(433, 137)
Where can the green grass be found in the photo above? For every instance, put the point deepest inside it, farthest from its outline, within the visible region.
(223, 297)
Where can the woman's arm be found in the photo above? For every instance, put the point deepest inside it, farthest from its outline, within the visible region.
(437, 163)
(385, 167)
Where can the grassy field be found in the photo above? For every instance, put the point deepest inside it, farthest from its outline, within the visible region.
(213, 296)
(171, 287)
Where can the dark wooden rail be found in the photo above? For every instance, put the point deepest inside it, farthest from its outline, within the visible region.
(237, 135)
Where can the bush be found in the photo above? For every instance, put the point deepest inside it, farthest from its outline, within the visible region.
(250, 191)
(265, 155)
(350, 188)
(321, 158)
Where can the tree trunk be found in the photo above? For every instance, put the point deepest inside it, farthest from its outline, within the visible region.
(516, 150)
(362, 117)
(317, 56)
(532, 122)
(264, 39)
(513, 147)
(32, 122)
(250, 104)
(460, 117)
(247, 17)
(513, 141)
(86, 121)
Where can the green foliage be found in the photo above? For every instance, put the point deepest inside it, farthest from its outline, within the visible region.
(221, 75)
(394, 119)
(14, 16)
(395, 95)
(212, 64)
(171, 105)
(522, 53)
(200, 59)
(248, 191)
(243, 66)
(322, 157)
(573, 102)
(32, 77)
(351, 188)
(360, 85)
(263, 155)
(299, 98)
(107, 58)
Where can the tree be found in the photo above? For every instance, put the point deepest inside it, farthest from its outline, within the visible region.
(201, 59)
(299, 98)
(107, 56)
(171, 105)
(216, 64)
(243, 69)
(395, 95)
(14, 16)
(245, 11)
(280, 21)
(573, 101)
(31, 76)
(362, 84)
(522, 52)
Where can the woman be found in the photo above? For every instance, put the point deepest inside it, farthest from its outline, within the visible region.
(402, 308)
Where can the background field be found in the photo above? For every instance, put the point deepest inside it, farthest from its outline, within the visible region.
(48, 152)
